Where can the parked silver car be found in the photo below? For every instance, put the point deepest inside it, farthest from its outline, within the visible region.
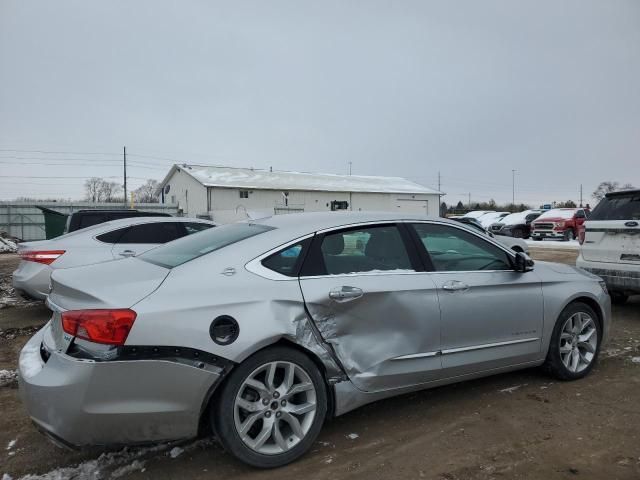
(265, 329)
(106, 241)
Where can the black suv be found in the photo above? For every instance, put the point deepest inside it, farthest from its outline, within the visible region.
(86, 218)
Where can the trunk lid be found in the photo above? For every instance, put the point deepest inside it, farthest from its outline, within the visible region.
(613, 241)
(612, 233)
(116, 284)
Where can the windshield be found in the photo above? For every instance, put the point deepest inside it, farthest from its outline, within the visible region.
(558, 213)
(618, 207)
(193, 246)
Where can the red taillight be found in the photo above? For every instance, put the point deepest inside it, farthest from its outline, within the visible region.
(41, 256)
(110, 327)
(581, 234)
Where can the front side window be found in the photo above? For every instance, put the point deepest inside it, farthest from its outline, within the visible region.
(367, 249)
(454, 250)
(194, 246)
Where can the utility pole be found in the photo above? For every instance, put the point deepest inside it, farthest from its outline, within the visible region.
(439, 197)
(350, 168)
(580, 195)
(513, 189)
(469, 200)
(124, 151)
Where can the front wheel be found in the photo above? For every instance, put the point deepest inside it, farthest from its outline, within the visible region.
(569, 235)
(272, 408)
(575, 343)
(518, 233)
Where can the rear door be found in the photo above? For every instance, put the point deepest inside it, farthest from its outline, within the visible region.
(492, 316)
(138, 239)
(369, 298)
(612, 232)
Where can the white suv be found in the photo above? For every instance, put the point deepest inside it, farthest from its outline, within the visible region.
(611, 243)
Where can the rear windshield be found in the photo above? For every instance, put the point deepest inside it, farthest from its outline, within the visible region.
(618, 207)
(187, 248)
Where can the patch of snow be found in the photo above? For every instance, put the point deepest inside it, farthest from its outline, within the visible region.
(121, 462)
(635, 359)
(565, 213)
(12, 442)
(328, 459)
(352, 436)
(7, 377)
(510, 389)
(127, 469)
(7, 246)
(30, 360)
(571, 245)
(176, 452)
(6, 476)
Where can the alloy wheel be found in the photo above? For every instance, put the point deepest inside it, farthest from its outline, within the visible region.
(578, 342)
(275, 407)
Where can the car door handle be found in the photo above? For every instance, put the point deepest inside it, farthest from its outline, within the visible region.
(455, 286)
(345, 293)
(127, 253)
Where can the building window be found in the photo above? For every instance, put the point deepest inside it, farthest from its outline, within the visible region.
(244, 193)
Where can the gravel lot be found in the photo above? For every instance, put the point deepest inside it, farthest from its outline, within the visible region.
(517, 425)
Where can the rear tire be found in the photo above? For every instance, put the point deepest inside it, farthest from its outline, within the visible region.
(569, 235)
(575, 343)
(271, 408)
(618, 298)
(518, 233)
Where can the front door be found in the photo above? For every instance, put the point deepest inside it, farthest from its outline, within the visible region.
(492, 316)
(365, 293)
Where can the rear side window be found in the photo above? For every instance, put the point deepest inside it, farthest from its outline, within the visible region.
(162, 232)
(194, 246)
(378, 248)
(196, 227)
(287, 261)
(618, 207)
(113, 236)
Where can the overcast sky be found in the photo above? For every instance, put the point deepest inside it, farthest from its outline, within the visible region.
(472, 89)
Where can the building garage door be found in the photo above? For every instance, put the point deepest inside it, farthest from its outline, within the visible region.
(410, 205)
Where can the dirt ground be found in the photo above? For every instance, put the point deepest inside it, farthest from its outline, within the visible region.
(516, 425)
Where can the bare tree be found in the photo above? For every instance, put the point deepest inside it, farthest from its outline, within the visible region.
(608, 187)
(147, 193)
(99, 190)
(92, 187)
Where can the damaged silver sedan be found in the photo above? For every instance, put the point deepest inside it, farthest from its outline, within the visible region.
(264, 330)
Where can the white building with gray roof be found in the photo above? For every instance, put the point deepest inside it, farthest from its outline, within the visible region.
(227, 194)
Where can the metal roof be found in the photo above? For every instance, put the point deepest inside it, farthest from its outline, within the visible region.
(230, 177)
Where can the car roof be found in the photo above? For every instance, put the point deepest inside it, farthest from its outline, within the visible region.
(304, 223)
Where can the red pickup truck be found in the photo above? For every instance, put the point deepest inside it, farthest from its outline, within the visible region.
(559, 223)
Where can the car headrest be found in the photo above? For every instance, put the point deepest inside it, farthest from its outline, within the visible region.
(381, 244)
(333, 244)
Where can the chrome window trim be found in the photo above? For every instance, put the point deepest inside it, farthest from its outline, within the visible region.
(255, 266)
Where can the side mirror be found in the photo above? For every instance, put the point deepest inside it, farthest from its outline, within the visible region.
(523, 263)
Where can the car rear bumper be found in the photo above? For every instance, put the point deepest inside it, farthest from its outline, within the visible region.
(617, 276)
(31, 280)
(83, 402)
